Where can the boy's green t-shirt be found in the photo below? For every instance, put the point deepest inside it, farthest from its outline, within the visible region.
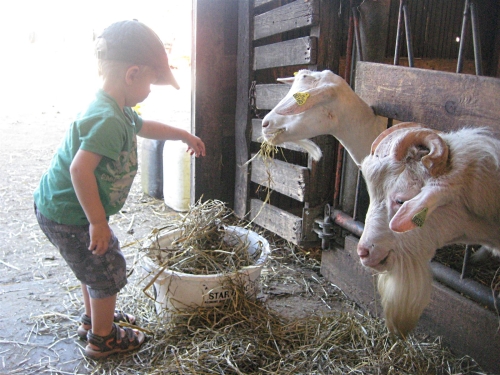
(104, 129)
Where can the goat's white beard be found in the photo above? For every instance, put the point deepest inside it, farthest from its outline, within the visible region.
(405, 291)
(311, 148)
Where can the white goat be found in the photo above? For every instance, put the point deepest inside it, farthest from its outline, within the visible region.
(459, 188)
(338, 111)
(427, 190)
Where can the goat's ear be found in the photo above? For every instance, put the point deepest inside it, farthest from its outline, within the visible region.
(302, 101)
(413, 213)
(287, 80)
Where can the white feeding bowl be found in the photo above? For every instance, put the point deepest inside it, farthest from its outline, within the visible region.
(177, 290)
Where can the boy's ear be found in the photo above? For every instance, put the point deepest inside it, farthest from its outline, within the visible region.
(132, 73)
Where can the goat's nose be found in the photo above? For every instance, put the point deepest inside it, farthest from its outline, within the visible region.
(265, 123)
(363, 251)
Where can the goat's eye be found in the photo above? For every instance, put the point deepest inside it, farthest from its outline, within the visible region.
(399, 201)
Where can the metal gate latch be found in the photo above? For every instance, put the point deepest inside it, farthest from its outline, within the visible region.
(325, 231)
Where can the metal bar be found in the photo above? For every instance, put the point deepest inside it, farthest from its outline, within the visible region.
(472, 289)
(338, 175)
(445, 275)
(409, 46)
(357, 34)
(465, 265)
(356, 198)
(463, 35)
(348, 55)
(353, 62)
(397, 52)
(476, 40)
(345, 221)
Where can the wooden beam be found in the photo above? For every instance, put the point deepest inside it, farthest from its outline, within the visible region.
(283, 223)
(329, 32)
(285, 178)
(267, 96)
(242, 121)
(448, 101)
(285, 18)
(300, 51)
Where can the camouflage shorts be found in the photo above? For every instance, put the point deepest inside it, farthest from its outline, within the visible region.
(104, 274)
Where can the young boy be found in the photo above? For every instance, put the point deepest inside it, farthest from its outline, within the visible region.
(91, 174)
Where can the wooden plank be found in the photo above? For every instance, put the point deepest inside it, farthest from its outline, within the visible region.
(441, 100)
(285, 178)
(242, 116)
(267, 96)
(300, 51)
(472, 331)
(213, 115)
(328, 32)
(284, 224)
(309, 236)
(258, 3)
(288, 17)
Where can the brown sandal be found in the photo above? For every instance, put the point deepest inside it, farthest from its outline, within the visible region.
(119, 317)
(114, 342)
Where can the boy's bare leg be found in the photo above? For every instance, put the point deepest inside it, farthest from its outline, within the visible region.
(102, 314)
(86, 300)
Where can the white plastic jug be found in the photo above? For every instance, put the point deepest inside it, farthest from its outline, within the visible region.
(176, 175)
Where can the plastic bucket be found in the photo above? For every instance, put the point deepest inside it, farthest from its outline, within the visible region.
(177, 290)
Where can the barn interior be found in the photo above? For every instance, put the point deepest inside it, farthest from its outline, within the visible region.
(377, 47)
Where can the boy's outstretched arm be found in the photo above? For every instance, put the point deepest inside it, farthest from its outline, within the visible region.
(160, 131)
(85, 184)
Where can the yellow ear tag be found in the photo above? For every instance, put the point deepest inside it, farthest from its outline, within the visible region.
(295, 73)
(419, 218)
(137, 109)
(301, 97)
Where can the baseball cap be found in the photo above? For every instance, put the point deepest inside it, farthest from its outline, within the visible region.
(134, 42)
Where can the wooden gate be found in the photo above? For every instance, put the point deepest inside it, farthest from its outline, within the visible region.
(276, 42)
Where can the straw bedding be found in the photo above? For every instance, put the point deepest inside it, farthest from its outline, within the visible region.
(247, 336)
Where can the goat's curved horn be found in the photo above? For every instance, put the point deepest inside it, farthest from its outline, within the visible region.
(392, 129)
(435, 161)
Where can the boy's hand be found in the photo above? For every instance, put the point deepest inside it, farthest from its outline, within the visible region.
(195, 146)
(100, 235)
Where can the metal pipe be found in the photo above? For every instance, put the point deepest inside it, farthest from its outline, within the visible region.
(339, 172)
(445, 275)
(356, 198)
(348, 55)
(397, 52)
(409, 46)
(472, 289)
(465, 265)
(357, 34)
(478, 60)
(345, 221)
(463, 35)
